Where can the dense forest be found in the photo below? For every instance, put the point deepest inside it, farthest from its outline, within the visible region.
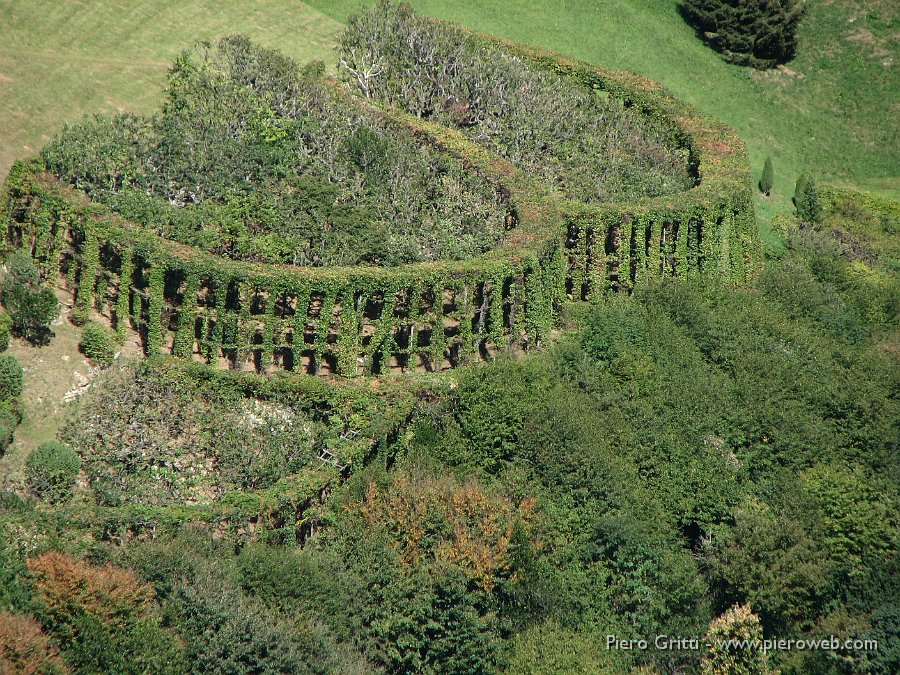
(693, 459)
(685, 450)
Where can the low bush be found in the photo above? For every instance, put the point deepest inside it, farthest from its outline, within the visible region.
(31, 306)
(755, 33)
(52, 469)
(11, 377)
(25, 648)
(98, 344)
(5, 328)
(6, 438)
(256, 159)
(154, 436)
(8, 424)
(104, 616)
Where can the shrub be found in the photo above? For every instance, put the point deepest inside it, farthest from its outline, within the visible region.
(226, 631)
(32, 309)
(5, 328)
(8, 425)
(31, 306)
(257, 159)
(52, 469)
(102, 615)
(738, 623)
(11, 377)
(25, 648)
(768, 177)
(15, 408)
(758, 33)
(806, 199)
(549, 126)
(20, 268)
(98, 343)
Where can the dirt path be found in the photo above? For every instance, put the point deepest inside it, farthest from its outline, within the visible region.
(54, 374)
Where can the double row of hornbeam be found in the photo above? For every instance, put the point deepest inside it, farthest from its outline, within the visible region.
(429, 316)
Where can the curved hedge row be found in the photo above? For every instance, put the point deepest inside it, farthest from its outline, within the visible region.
(432, 316)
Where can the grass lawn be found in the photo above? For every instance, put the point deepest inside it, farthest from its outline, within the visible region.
(62, 60)
(832, 111)
(50, 373)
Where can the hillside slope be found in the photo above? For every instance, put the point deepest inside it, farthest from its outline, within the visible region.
(833, 110)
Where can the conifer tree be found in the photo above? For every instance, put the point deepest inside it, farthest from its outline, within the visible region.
(800, 186)
(768, 177)
(758, 33)
(806, 199)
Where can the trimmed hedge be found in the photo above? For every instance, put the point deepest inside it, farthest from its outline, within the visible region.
(98, 344)
(11, 377)
(5, 328)
(8, 424)
(432, 316)
(52, 469)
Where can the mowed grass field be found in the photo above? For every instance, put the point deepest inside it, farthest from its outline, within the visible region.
(832, 111)
(62, 59)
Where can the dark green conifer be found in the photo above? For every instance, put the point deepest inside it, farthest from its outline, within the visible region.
(758, 33)
(806, 199)
(768, 177)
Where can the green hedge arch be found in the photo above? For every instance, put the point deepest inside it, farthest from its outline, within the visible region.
(432, 316)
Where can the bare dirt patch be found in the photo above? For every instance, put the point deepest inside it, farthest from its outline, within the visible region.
(55, 375)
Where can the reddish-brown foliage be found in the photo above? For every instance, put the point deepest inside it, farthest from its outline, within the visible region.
(450, 521)
(25, 649)
(69, 586)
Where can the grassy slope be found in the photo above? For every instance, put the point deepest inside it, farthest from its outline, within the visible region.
(61, 60)
(843, 84)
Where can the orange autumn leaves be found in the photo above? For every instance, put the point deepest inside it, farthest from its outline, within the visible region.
(449, 521)
(69, 587)
(25, 649)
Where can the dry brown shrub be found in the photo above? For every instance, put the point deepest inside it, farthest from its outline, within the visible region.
(25, 649)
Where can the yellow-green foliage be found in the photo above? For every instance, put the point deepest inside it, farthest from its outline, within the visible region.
(98, 343)
(740, 624)
(5, 328)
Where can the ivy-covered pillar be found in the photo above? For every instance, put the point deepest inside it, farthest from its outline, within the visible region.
(464, 312)
(348, 335)
(90, 259)
(123, 297)
(323, 325)
(155, 305)
(267, 350)
(184, 336)
(437, 346)
(298, 326)
(681, 246)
